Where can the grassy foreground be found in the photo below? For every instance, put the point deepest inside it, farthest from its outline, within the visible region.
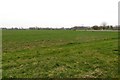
(59, 54)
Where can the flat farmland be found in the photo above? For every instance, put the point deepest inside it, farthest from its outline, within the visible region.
(59, 54)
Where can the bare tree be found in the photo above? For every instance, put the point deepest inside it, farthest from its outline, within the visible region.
(104, 25)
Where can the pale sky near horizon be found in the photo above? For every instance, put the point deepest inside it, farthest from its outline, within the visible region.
(57, 13)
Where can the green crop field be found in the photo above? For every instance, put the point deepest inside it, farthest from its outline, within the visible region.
(59, 54)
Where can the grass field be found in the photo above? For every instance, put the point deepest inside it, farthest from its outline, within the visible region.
(59, 54)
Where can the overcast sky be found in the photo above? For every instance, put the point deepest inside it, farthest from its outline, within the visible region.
(57, 13)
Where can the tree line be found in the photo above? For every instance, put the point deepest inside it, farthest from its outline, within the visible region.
(95, 27)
